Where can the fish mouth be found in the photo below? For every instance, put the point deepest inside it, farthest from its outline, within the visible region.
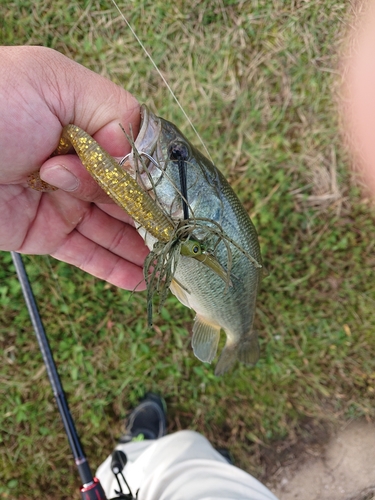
(145, 144)
(149, 132)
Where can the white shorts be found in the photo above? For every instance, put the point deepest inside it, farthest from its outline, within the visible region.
(181, 466)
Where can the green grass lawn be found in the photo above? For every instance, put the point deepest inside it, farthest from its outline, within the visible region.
(259, 81)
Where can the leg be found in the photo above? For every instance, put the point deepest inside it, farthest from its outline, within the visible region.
(180, 466)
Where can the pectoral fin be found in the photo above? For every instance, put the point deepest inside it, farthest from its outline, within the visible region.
(179, 292)
(205, 339)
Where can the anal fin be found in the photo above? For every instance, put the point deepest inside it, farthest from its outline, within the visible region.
(205, 339)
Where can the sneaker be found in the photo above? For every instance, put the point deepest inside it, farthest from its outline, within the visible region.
(147, 421)
(224, 452)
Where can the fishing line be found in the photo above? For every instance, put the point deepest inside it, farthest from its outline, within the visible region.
(162, 77)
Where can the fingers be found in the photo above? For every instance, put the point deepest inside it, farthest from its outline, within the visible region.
(82, 234)
(112, 137)
(94, 103)
(68, 174)
(100, 262)
(101, 108)
(44, 91)
(106, 248)
(18, 208)
(119, 238)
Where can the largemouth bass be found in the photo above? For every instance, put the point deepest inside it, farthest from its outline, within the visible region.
(202, 241)
(216, 218)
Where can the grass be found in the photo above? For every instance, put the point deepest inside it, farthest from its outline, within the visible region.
(258, 79)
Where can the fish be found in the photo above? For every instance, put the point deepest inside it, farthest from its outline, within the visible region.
(218, 220)
(203, 244)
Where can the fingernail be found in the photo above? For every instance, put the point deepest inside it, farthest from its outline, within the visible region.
(61, 177)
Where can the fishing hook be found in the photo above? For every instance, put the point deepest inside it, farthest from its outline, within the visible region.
(140, 153)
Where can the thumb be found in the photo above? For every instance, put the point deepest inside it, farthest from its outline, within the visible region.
(99, 107)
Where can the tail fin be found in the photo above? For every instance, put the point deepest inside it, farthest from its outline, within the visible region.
(227, 359)
(247, 351)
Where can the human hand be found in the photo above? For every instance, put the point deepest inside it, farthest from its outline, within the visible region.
(40, 92)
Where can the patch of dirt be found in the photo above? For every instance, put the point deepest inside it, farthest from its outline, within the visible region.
(327, 465)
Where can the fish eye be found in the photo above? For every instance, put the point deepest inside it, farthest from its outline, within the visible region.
(178, 151)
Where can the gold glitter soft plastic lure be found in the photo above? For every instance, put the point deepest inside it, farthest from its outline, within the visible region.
(118, 183)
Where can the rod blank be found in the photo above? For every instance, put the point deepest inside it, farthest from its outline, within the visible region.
(74, 442)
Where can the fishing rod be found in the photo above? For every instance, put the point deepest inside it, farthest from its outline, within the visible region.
(91, 488)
